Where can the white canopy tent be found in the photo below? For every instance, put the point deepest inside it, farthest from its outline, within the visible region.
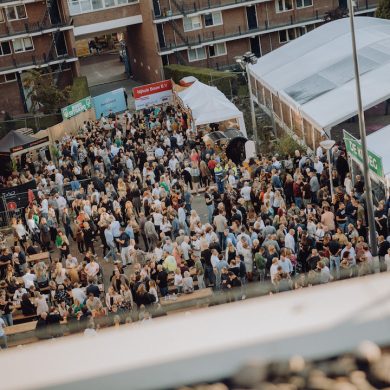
(209, 105)
(314, 73)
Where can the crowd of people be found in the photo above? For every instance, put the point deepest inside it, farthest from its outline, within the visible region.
(125, 187)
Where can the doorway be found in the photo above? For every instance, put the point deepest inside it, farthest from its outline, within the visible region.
(251, 17)
(255, 46)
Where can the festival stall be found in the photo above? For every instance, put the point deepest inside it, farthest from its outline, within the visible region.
(15, 143)
(209, 105)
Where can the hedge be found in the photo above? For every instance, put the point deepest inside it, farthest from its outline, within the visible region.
(226, 82)
(80, 89)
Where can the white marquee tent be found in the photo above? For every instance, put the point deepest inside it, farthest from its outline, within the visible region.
(314, 73)
(209, 105)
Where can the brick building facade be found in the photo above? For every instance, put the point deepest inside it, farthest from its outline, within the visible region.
(33, 34)
(157, 32)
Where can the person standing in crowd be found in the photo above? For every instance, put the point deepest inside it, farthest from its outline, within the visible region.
(125, 186)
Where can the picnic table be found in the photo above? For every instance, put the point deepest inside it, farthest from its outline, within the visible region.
(43, 256)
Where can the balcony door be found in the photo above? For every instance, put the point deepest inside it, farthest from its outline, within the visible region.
(156, 8)
(255, 46)
(251, 17)
(54, 12)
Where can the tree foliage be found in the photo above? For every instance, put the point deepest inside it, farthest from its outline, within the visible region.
(383, 10)
(45, 96)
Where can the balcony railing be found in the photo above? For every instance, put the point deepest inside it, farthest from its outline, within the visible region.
(176, 7)
(228, 32)
(4, 2)
(78, 7)
(172, 8)
(30, 28)
(37, 60)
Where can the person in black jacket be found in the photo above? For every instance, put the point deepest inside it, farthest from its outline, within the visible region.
(383, 246)
(142, 297)
(88, 237)
(27, 306)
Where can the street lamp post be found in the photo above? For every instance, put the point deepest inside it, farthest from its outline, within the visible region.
(328, 145)
(362, 128)
(244, 61)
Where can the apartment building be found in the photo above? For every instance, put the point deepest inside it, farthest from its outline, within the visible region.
(33, 34)
(211, 33)
(43, 34)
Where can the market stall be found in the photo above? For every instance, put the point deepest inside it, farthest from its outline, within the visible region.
(209, 105)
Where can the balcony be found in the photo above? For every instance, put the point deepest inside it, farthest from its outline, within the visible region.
(33, 29)
(15, 2)
(173, 9)
(37, 62)
(78, 7)
(229, 33)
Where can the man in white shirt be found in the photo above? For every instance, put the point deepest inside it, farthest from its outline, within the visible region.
(78, 293)
(159, 152)
(61, 203)
(318, 166)
(173, 162)
(28, 279)
(289, 240)
(186, 247)
(19, 293)
(319, 152)
(45, 207)
(92, 269)
(246, 192)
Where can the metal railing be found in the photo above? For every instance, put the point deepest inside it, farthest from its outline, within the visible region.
(225, 32)
(33, 27)
(170, 8)
(37, 60)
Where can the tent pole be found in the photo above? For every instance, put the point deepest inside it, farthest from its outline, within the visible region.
(362, 128)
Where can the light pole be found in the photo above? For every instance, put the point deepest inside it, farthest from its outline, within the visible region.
(328, 145)
(362, 128)
(244, 61)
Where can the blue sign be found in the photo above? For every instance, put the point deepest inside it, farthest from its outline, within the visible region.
(114, 101)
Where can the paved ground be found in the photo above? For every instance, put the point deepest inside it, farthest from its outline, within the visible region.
(103, 68)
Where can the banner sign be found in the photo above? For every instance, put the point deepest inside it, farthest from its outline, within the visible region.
(354, 149)
(75, 108)
(153, 94)
(114, 101)
(29, 145)
(16, 197)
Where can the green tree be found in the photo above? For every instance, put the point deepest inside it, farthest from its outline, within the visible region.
(383, 10)
(45, 96)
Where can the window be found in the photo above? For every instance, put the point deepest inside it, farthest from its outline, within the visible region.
(22, 44)
(213, 19)
(16, 12)
(77, 7)
(287, 35)
(304, 3)
(283, 5)
(194, 23)
(10, 77)
(5, 48)
(197, 54)
(2, 19)
(217, 50)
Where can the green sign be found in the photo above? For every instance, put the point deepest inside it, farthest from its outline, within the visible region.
(354, 149)
(75, 108)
